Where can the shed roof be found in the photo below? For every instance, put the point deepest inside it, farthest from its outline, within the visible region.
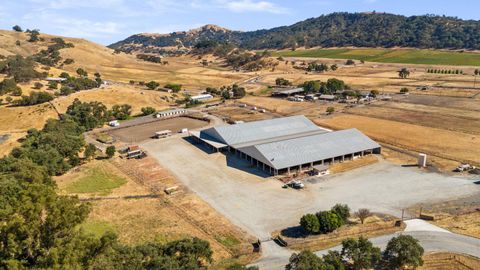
(245, 134)
(302, 150)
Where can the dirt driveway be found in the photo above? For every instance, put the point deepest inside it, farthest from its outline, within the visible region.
(260, 206)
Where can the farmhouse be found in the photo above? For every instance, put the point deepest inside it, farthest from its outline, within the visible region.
(283, 145)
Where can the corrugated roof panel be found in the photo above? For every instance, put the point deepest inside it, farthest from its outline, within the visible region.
(303, 150)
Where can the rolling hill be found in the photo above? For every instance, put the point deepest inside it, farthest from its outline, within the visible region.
(333, 30)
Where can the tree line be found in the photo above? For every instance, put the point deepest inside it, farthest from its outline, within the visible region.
(39, 229)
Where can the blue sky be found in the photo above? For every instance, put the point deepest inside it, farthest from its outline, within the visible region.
(107, 21)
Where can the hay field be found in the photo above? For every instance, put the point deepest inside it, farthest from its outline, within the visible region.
(407, 56)
(434, 141)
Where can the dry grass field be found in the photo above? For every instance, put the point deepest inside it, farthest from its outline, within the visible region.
(449, 261)
(138, 215)
(442, 143)
(466, 224)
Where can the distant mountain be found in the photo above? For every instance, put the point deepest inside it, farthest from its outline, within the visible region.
(333, 30)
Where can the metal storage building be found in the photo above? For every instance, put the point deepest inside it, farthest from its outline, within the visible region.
(291, 143)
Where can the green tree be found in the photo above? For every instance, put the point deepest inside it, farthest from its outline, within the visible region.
(17, 28)
(311, 86)
(110, 151)
(333, 260)
(403, 252)
(350, 62)
(152, 85)
(342, 210)
(360, 254)
(121, 112)
(334, 85)
(238, 92)
(330, 110)
(305, 260)
(282, 82)
(329, 221)
(8, 86)
(89, 115)
(90, 151)
(241, 267)
(334, 67)
(310, 224)
(174, 87)
(34, 35)
(404, 73)
(53, 85)
(148, 110)
(81, 72)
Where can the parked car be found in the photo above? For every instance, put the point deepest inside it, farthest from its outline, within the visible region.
(296, 184)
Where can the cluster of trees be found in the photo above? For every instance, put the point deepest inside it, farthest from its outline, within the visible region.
(148, 110)
(219, 49)
(331, 86)
(443, 71)
(34, 35)
(320, 67)
(74, 84)
(34, 98)
(9, 86)
(175, 87)
(241, 59)
(94, 114)
(402, 252)
(51, 55)
(149, 58)
(282, 82)
(20, 68)
(227, 92)
(40, 229)
(326, 221)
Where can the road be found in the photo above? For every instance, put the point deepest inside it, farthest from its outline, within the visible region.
(432, 239)
(259, 205)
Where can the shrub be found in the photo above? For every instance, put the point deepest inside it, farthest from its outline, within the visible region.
(342, 210)
(148, 110)
(152, 85)
(310, 224)
(175, 87)
(110, 151)
(404, 90)
(329, 221)
(350, 62)
(37, 85)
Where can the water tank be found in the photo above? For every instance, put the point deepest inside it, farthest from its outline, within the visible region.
(422, 160)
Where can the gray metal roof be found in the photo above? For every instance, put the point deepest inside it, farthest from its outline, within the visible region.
(303, 150)
(288, 91)
(258, 132)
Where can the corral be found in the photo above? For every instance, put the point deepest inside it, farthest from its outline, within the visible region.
(145, 131)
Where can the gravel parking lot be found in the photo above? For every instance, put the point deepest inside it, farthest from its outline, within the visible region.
(260, 206)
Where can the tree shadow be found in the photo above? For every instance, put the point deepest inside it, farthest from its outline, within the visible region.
(294, 232)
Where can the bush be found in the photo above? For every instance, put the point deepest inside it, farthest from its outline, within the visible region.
(37, 85)
(343, 211)
(310, 224)
(329, 221)
(350, 62)
(110, 151)
(17, 28)
(174, 87)
(330, 110)
(404, 90)
(152, 85)
(148, 110)
(17, 92)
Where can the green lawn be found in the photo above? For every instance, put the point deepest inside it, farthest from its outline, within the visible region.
(406, 56)
(97, 228)
(96, 180)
